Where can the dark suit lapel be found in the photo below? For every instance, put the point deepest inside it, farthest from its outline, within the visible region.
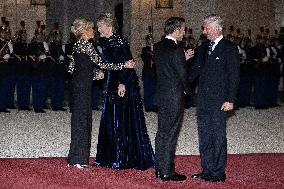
(206, 52)
(170, 42)
(219, 48)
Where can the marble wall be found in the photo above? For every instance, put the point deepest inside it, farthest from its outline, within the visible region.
(138, 15)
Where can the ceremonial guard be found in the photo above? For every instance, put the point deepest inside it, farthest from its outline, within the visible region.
(4, 60)
(281, 56)
(239, 34)
(248, 36)
(58, 71)
(231, 32)
(246, 73)
(11, 73)
(9, 76)
(261, 61)
(275, 72)
(261, 33)
(38, 50)
(55, 31)
(245, 83)
(3, 20)
(148, 75)
(23, 70)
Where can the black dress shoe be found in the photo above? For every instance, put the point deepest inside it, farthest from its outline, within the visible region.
(4, 111)
(274, 105)
(215, 179)
(172, 177)
(39, 111)
(46, 107)
(59, 109)
(24, 108)
(11, 107)
(261, 107)
(199, 176)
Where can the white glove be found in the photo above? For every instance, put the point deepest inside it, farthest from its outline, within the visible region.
(239, 48)
(265, 59)
(42, 57)
(45, 45)
(10, 47)
(61, 58)
(63, 48)
(6, 56)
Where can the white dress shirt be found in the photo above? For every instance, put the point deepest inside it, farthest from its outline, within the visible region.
(216, 41)
(172, 38)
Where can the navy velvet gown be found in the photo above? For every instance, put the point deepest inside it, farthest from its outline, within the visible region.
(123, 141)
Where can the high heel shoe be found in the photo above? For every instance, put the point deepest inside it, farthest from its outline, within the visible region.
(79, 166)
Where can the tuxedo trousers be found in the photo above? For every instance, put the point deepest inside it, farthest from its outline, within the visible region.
(170, 116)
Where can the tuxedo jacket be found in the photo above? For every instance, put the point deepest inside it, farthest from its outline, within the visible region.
(171, 70)
(218, 74)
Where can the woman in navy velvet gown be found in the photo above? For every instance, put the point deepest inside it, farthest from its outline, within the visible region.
(123, 141)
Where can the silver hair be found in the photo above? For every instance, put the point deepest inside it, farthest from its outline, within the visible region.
(109, 20)
(214, 20)
(80, 25)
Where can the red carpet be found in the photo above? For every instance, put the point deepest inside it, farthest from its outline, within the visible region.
(255, 171)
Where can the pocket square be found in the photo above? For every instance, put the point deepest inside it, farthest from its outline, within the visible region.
(217, 58)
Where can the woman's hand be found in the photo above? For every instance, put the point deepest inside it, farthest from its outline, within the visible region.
(121, 90)
(129, 64)
(100, 75)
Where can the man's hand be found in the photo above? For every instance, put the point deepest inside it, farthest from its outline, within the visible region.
(189, 54)
(121, 90)
(129, 64)
(227, 106)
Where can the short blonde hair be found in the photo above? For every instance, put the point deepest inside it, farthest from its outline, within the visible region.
(108, 19)
(80, 25)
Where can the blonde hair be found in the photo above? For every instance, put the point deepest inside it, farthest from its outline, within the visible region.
(80, 25)
(109, 20)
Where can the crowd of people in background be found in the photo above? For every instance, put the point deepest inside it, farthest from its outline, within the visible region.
(34, 75)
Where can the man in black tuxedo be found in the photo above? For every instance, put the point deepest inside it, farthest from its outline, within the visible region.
(217, 64)
(170, 60)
